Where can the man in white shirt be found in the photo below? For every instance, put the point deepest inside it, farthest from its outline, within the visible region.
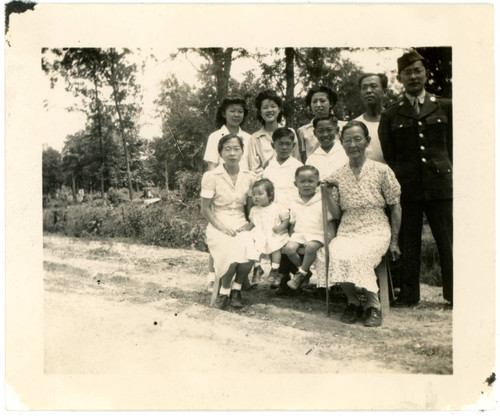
(372, 88)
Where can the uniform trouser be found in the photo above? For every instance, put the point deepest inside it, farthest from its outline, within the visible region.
(440, 217)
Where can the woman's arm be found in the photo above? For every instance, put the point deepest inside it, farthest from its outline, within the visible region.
(212, 219)
(395, 225)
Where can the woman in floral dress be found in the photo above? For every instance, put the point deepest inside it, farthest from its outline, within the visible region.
(361, 191)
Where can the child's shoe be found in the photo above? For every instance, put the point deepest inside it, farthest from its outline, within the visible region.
(257, 275)
(274, 278)
(298, 280)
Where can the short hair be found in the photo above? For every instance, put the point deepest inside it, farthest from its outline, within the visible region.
(304, 168)
(226, 138)
(331, 118)
(268, 95)
(268, 186)
(281, 132)
(332, 96)
(382, 77)
(355, 123)
(220, 120)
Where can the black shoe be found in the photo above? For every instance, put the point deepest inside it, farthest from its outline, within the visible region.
(351, 314)
(402, 302)
(373, 317)
(221, 302)
(236, 299)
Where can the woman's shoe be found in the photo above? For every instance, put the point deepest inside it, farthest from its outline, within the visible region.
(236, 299)
(351, 314)
(221, 302)
(373, 317)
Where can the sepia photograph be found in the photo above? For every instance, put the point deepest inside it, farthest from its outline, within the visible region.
(216, 213)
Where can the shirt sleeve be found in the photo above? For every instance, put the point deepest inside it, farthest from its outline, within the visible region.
(293, 216)
(390, 187)
(254, 162)
(296, 148)
(211, 152)
(207, 185)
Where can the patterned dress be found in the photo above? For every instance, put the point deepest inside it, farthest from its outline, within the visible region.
(364, 233)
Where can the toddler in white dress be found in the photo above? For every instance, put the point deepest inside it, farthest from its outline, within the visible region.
(270, 226)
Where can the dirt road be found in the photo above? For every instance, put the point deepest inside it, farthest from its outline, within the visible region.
(112, 307)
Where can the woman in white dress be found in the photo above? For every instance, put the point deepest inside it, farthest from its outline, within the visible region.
(225, 202)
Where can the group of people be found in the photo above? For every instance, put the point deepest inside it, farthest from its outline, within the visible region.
(382, 170)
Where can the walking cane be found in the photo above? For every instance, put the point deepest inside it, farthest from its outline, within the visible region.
(324, 209)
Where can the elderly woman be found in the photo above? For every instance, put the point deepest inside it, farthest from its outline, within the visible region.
(224, 197)
(361, 191)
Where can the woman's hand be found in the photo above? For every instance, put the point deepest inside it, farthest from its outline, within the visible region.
(247, 227)
(230, 231)
(394, 251)
(278, 229)
(330, 183)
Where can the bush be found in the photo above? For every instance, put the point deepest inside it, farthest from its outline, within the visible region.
(168, 224)
(189, 184)
(117, 196)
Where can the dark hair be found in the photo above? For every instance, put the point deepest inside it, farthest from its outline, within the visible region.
(306, 167)
(226, 138)
(331, 118)
(268, 186)
(268, 95)
(332, 97)
(354, 123)
(220, 120)
(281, 132)
(382, 77)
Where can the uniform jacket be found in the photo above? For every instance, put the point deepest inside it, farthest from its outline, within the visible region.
(418, 148)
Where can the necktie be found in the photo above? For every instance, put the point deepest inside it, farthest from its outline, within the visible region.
(416, 105)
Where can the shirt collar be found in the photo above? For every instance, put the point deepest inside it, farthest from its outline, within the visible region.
(224, 131)
(420, 97)
(315, 198)
(320, 151)
(219, 170)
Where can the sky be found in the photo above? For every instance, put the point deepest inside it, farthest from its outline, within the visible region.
(59, 122)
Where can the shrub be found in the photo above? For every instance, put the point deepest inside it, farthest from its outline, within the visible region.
(117, 196)
(189, 184)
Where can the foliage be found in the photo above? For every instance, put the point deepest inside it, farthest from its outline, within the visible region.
(51, 171)
(439, 65)
(170, 223)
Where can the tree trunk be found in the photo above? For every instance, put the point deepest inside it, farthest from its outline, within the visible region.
(73, 187)
(166, 177)
(99, 132)
(120, 124)
(222, 59)
(290, 84)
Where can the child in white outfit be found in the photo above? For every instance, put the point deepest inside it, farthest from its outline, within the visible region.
(270, 221)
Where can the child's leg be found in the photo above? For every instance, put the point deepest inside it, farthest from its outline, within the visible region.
(275, 259)
(312, 248)
(291, 251)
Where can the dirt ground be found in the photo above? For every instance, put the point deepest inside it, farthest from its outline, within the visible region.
(118, 308)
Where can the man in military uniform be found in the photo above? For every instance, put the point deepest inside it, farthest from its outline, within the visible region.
(416, 139)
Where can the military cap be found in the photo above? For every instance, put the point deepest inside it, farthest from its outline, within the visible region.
(408, 58)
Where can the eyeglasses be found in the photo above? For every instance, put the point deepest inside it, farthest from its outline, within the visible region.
(355, 139)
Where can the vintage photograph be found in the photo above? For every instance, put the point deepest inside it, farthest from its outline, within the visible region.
(150, 199)
(201, 216)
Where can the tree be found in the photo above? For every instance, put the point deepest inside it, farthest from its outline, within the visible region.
(439, 65)
(51, 171)
(105, 81)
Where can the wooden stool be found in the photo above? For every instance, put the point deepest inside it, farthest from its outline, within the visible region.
(383, 273)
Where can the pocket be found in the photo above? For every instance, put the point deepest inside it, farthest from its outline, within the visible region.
(437, 119)
(401, 124)
(443, 167)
